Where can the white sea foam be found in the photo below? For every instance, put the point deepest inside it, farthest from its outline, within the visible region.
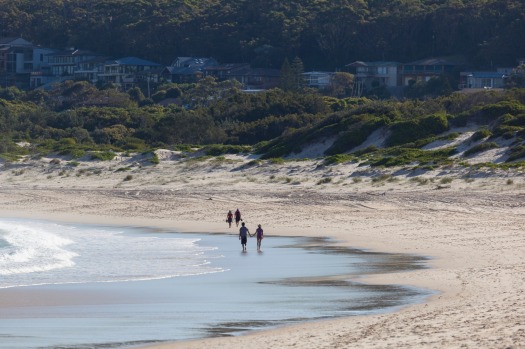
(36, 253)
(29, 249)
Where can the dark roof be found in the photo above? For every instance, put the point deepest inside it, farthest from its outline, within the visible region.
(487, 75)
(9, 41)
(439, 61)
(134, 61)
(183, 70)
(372, 64)
(229, 66)
(318, 73)
(193, 62)
(74, 53)
(264, 72)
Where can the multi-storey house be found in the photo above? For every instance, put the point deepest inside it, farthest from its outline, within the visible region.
(187, 69)
(128, 71)
(18, 58)
(426, 69)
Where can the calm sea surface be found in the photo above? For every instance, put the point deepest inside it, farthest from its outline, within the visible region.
(82, 286)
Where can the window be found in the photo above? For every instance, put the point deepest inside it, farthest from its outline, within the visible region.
(486, 82)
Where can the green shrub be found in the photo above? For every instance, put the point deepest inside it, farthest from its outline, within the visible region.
(68, 141)
(367, 150)
(403, 156)
(480, 148)
(491, 112)
(102, 155)
(337, 159)
(518, 120)
(183, 147)
(356, 134)
(220, 149)
(77, 153)
(451, 136)
(516, 153)
(154, 159)
(506, 132)
(446, 180)
(325, 180)
(460, 120)
(480, 134)
(420, 180)
(381, 178)
(410, 131)
(276, 161)
(253, 163)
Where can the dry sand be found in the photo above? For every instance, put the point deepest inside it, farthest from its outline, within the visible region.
(470, 223)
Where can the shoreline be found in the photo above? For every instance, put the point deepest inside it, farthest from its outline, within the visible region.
(473, 235)
(33, 299)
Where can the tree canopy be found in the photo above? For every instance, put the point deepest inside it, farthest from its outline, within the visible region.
(324, 34)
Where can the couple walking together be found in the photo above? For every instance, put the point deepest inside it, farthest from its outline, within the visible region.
(243, 231)
(243, 236)
(229, 217)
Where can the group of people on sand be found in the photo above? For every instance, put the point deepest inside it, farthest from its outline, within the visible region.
(244, 231)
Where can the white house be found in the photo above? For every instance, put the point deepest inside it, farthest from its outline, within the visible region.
(481, 79)
(374, 74)
(318, 79)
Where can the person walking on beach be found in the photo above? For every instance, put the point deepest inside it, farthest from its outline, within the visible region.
(237, 217)
(259, 233)
(243, 236)
(229, 218)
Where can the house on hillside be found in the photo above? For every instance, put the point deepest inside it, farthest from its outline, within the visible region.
(18, 58)
(187, 69)
(370, 75)
(250, 78)
(71, 64)
(228, 71)
(318, 79)
(374, 74)
(481, 80)
(261, 79)
(128, 71)
(66, 62)
(89, 70)
(426, 69)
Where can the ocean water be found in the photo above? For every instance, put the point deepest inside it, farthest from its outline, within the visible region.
(89, 286)
(40, 253)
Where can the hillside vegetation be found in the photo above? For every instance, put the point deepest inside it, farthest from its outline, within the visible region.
(324, 34)
(76, 118)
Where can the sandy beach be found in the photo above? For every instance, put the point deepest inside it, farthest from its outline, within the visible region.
(470, 225)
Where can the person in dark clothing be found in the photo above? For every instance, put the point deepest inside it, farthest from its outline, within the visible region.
(237, 217)
(259, 234)
(229, 218)
(243, 236)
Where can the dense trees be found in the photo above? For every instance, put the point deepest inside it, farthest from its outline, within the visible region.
(326, 35)
(289, 35)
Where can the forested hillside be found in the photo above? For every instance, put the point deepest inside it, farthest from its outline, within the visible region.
(324, 34)
(74, 118)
